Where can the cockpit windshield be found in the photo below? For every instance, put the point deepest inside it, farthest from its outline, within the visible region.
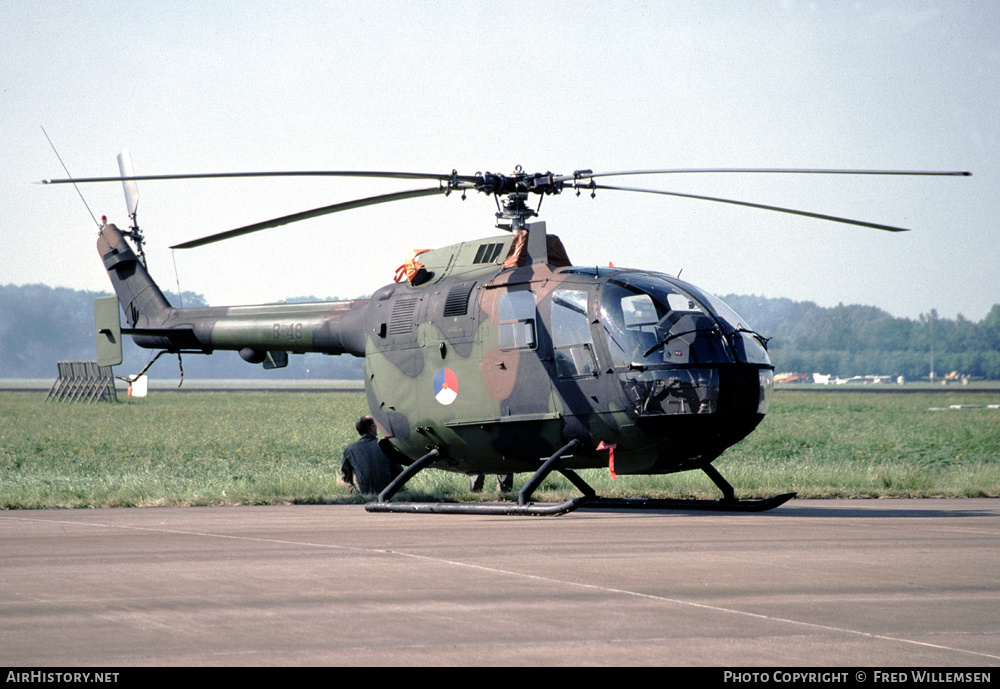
(667, 341)
(750, 346)
(651, 323)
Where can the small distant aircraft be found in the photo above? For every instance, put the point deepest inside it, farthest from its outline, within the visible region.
(826, 379)
(790, 378)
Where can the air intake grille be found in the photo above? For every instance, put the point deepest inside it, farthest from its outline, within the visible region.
(457, 302)
(488, 253)
(401, 321)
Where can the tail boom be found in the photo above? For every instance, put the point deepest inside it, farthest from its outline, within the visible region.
(325, 327)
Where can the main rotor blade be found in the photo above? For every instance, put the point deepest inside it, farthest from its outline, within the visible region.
(290, 173)
(770, 171)
(792, 211)
(314, 213)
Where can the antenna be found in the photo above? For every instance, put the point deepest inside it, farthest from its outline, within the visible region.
(70, 176)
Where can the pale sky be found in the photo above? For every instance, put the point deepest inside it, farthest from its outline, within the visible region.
(435, 86)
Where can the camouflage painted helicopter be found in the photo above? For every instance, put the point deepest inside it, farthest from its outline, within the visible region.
(495, 354)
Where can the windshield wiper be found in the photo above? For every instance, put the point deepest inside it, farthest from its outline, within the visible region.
(757, 336)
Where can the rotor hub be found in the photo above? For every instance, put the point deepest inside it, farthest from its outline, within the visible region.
(516, 188)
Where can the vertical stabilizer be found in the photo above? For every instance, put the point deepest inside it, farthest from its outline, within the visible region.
(108, 329)
(141, 300)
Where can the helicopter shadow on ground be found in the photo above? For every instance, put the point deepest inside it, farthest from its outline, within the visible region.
(880, 512)
(840, 511)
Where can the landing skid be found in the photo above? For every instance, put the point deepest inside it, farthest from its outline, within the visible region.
(762, 505)
(495, 508)
(729, 502)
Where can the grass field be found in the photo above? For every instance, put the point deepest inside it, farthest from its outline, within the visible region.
(259, 447)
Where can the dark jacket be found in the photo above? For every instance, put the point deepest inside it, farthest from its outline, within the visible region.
(366, 466)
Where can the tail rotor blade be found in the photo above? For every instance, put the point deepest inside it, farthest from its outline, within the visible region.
(130, 186)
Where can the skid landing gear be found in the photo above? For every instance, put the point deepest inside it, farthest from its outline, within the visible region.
(729, 502)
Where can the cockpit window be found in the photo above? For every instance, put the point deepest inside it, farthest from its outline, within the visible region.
(649, 322)
(638, 310)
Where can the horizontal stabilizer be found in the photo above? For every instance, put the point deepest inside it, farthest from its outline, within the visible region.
(159, 332)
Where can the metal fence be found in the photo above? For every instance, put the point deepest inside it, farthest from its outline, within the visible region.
(83, 381)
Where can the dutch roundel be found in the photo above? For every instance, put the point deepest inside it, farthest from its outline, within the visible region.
(445, 386)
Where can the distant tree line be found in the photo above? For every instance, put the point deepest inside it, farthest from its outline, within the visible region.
(41, 325)
(854, 340)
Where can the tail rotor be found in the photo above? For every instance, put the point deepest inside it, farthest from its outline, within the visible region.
(132, 201)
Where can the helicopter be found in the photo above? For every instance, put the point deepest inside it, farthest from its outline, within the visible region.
(498, 355)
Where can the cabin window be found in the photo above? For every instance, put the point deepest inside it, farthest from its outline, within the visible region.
(517, 320)
(572, 341)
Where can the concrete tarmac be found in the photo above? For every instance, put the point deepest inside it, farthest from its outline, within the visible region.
(869, 583)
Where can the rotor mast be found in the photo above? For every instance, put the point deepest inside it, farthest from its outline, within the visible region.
(515, 209)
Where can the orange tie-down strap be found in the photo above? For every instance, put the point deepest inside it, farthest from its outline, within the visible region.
(411, 267)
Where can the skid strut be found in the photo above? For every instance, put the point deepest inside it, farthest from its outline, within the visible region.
(523, 507)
